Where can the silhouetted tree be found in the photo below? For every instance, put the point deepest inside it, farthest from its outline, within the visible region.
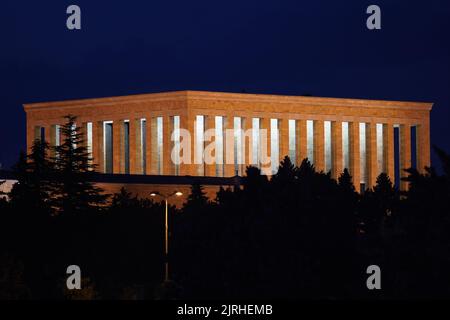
(385, 195)
(286, 172)
(197, 199)
(299, 234)
(124, 200)
(34, 174)
(72, 161)
(345, 181)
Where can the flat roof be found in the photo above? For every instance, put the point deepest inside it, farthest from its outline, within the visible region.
(227, 96)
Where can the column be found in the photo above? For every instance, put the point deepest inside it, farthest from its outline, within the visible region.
(284, 138)
(52, 135)
(371, 154)
(246, 144)
(37, 133)
(405, 153)
(301, 147)
(253, 143)
(122, 146)
(319, 141)
(43, 129)
(46, 129)
(199, 165)
(388, 151)
(336, 149)
(210, 168)
(265, 144)
(152, 153)
(51, 139)
(97, 133)
(82, 127)
(117, 146)
(228, 145)
(82, 135)
(423, 145)
(187, 147)
(135, 146)
(355, 154)
(167, 163)
(194, 168)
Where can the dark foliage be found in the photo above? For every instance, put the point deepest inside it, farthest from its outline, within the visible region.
(300, 234)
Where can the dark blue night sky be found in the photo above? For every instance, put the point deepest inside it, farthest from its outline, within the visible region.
(321, 48)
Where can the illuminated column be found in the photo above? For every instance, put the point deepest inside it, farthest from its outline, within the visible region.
(52, 140)
(275, 145)
(254, 142)
(134, 146)
(301, 141)
(220, 140)
(187, 152)
(37, 134)
(319, 141)
(210, 168)
(228, 144)
(95, 151)
(191, 127)
(117, 146)
(82, 131)
(355, 154)
(423, 145)
(199, 145)
(168, 165)
(142, 149)
(265, 143)
(52, 135)
(284, 138)
(152, 152)
(122, 146)
(371, 154)
(246, 143)
(89, 140)
(405, 153)
(336, 149)
(99, 152)
(388, 152)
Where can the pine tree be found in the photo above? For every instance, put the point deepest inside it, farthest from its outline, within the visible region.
(384, 192)
(72, 163)
(345, 181)
(197, 199)
(34, 174)
(306, 169)
(348, 195)
(253, 180)
(286, 172)
(124, 200)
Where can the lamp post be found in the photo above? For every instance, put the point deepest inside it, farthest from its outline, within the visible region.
(166, 226)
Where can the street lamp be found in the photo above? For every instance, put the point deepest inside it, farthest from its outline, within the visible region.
(166, 241)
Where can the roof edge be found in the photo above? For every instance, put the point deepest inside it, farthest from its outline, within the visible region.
(212, 95)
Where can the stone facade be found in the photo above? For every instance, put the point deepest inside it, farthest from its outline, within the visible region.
(377, 122)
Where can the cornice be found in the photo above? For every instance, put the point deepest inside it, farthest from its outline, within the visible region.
(229, 97)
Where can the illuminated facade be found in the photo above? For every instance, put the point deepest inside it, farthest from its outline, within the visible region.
(146, 134)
